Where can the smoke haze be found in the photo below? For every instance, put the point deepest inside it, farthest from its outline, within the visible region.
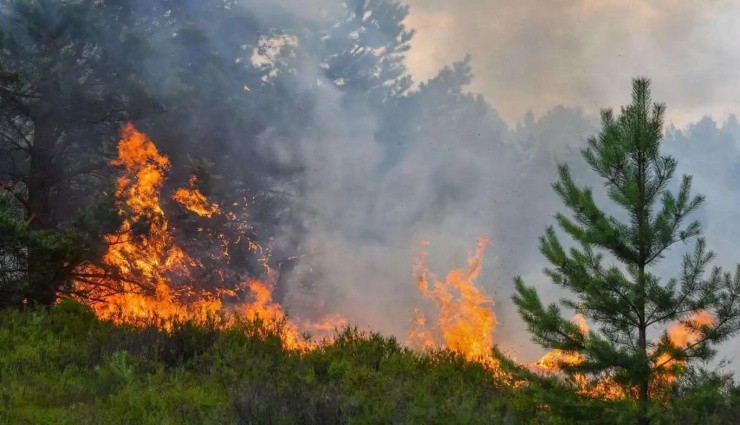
(455, 170)
(369, 158)
(531, 54)
(473, 175)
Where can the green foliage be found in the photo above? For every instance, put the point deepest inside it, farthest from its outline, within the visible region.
(703, 397)
(54, 249)
(56, 252)
(627, 300)
(63, 365)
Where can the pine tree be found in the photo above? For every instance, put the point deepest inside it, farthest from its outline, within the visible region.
(627, 302)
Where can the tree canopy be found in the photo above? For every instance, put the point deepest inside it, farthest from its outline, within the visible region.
(628, 301)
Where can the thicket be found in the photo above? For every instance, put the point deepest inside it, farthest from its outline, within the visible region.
(63, 365)
(66, 366)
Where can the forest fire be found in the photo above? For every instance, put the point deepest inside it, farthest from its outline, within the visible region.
(243, 250)
(146, 277)
(136, 283)
(680, 335)
(466, 319)
(146, 274)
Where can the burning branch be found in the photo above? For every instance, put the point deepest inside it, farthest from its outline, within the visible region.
(146, 276)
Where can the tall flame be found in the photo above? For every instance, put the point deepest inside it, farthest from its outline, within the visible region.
(135, 282)
(466, 321)
(142, 255)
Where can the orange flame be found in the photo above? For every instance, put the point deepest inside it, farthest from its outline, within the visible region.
(272, 315)
(680, 335)
(552, 361)
(142, 260)
(142, 254)
(194, 201)
(466, 320)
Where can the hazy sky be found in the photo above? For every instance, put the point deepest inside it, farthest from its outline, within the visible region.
(534, 54)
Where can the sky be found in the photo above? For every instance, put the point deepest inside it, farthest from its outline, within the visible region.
(535, 54)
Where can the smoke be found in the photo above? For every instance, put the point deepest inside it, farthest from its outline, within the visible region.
(535, 54)
(441, 165)
(710, 151)
(368, 175)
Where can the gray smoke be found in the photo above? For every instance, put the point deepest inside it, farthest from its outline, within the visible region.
(463, 173)
(441, 164)
(538, 54)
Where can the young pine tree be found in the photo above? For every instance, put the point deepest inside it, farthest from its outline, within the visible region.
(627, 302)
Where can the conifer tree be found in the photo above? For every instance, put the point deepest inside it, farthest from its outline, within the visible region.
(628, 304)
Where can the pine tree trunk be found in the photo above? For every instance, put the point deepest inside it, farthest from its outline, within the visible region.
(645, 374)
(42, 286)
(643, 224)
(644, 393)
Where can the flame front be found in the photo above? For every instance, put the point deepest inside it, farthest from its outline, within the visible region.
(142, 256)
(136, 281)
(466, 320)
(144, 276)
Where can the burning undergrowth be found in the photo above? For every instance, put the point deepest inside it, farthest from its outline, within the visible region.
(466, 319)
(146, 275)
(605, 385)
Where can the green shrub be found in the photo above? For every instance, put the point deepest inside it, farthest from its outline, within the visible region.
(63, 365)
